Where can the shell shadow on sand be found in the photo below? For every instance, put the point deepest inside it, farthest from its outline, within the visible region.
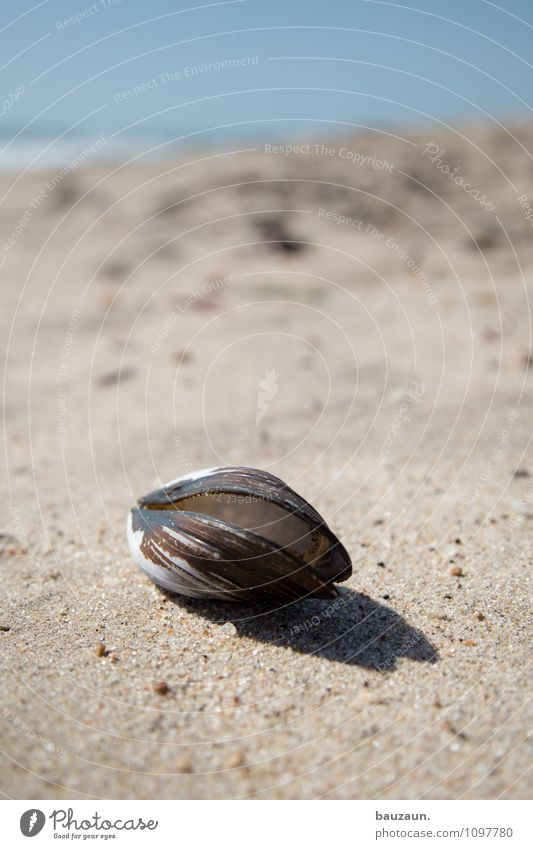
(352, 629)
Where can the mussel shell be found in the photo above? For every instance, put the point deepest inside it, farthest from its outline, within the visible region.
(235, 533)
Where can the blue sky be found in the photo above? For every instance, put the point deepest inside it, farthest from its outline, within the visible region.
(319, 66)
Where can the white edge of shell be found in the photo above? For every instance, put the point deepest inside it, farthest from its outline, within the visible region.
(162, 576)
(191, 476)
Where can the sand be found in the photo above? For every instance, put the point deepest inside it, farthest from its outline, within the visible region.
(355, 321)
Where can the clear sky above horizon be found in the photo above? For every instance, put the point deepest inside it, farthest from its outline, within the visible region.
(166, 67)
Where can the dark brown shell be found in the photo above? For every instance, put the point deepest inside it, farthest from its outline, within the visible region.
(236, 533)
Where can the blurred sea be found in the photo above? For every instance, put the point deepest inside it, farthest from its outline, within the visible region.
(21, 149)
(24, 148)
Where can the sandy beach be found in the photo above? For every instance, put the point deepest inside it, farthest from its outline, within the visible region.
(351, 313)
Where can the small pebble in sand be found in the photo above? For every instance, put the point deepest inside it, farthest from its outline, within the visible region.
(114, 378)
(457, 571)
(183, 765)
(277, 237)
(479, 615)
(116, 269)
(5, 627)
(469, 643)
(162, 688)
(235, 760)
(446, 725)
(521, 473)
(527, 359)
(229, 629)
(181, 357)
(381, 564)
(100, 649)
